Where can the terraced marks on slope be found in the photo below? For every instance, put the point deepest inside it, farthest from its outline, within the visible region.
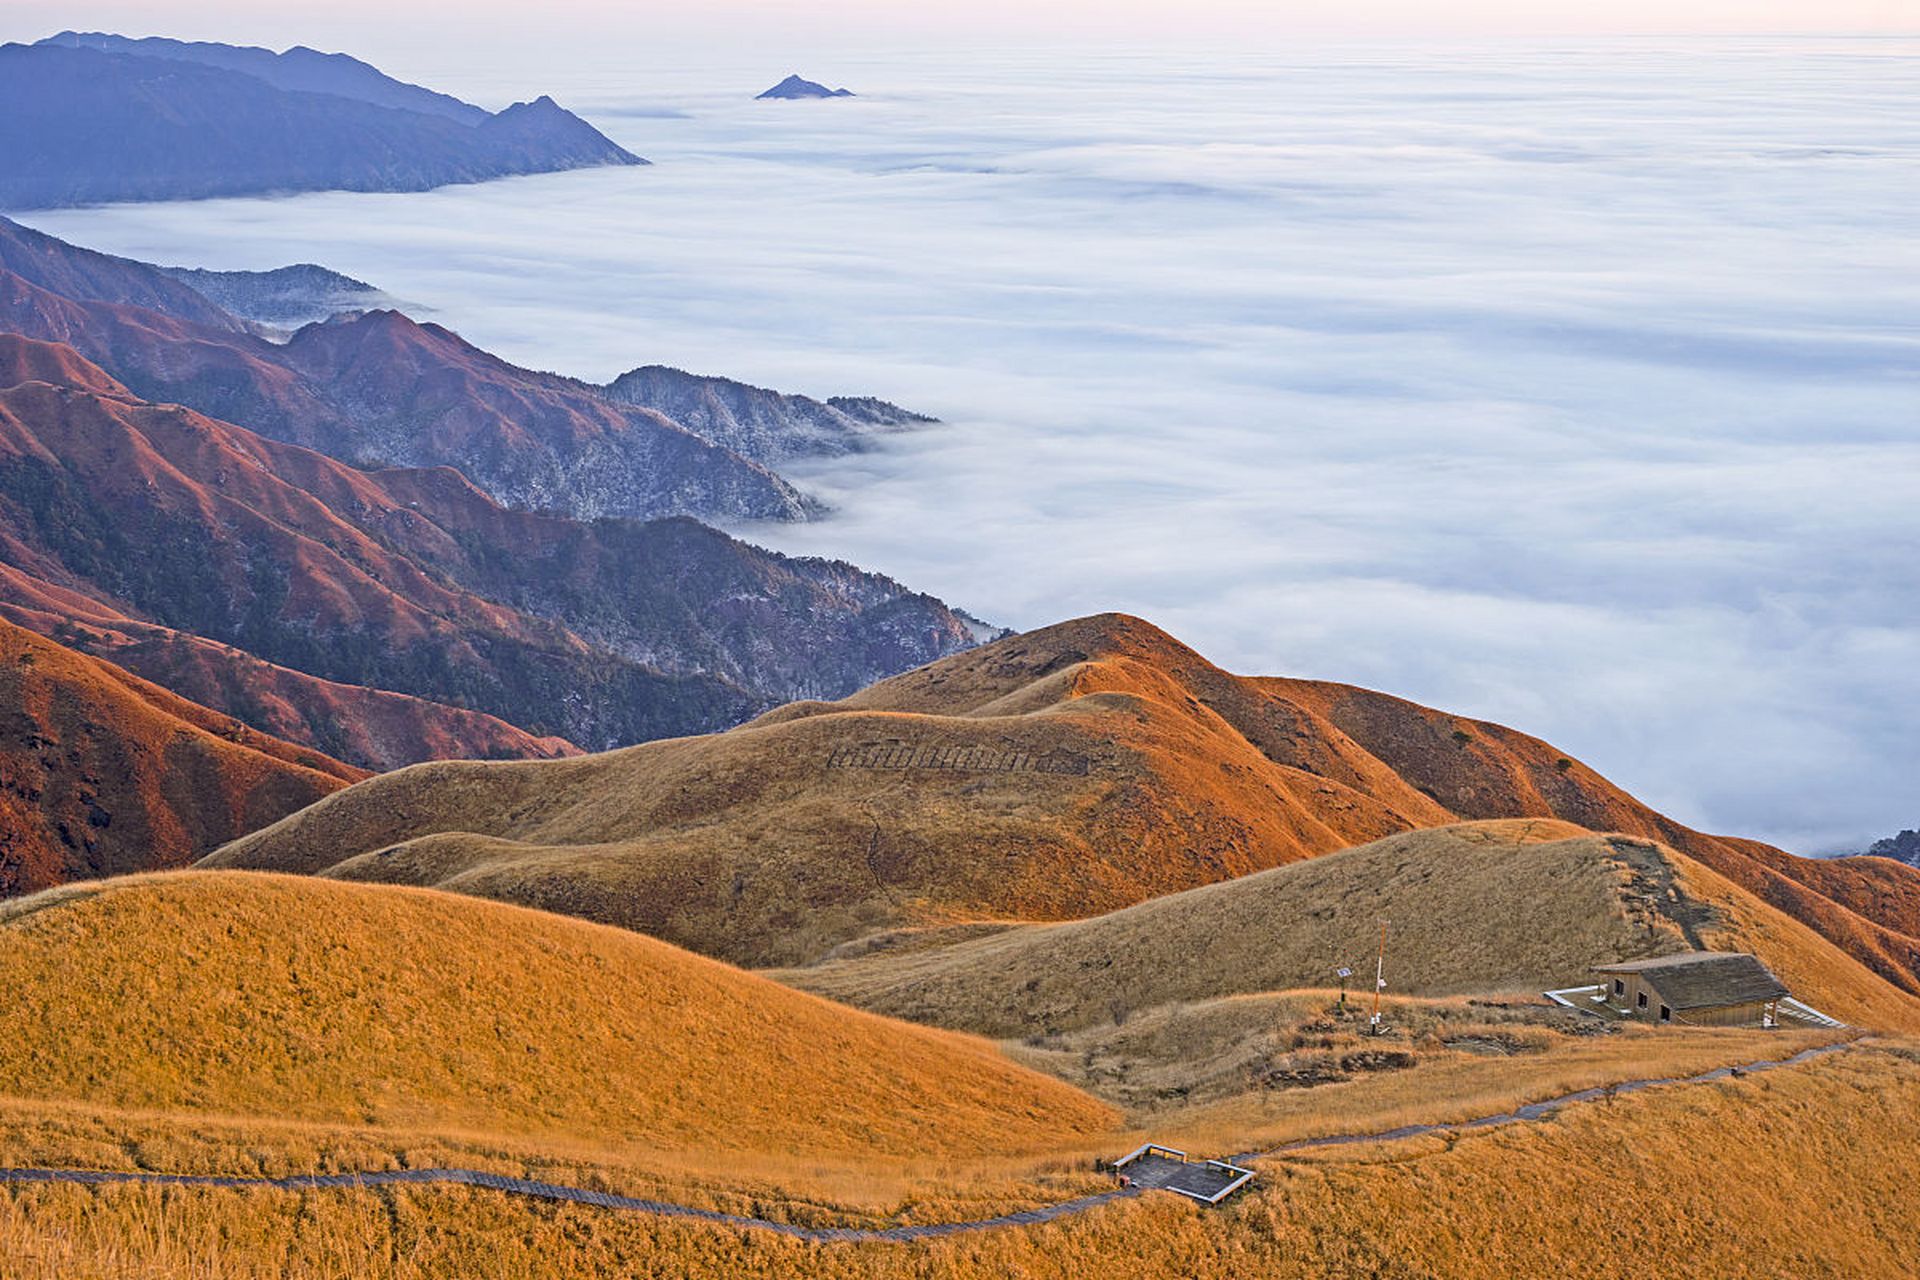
(764, 847)
(298, 1000)
(1519, 906)
(102, 772)
(1733, 1165)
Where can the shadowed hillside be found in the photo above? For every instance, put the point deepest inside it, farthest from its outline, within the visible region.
(371, 728)
(143, 524)
(1053, 775)
(101, 772)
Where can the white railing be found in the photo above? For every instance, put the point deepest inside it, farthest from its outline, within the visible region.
(1244, 1176)
(1237, 1177)
(1807, 1013)
(1149, 1149)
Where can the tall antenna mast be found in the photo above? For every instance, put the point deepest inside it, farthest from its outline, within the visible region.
(1379, 979)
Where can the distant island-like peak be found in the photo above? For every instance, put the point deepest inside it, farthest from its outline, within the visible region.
(796, 86)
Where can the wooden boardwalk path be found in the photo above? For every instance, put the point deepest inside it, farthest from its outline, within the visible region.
(852, 1235)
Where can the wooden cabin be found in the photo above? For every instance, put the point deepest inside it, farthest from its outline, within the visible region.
(1695, 988)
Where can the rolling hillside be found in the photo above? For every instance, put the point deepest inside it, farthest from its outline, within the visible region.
(253, 996)
(101, 772)
(1782, 1175)
(1513, 906)
(1054, 775)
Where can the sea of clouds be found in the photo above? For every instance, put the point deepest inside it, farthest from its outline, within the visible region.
(1575, 387)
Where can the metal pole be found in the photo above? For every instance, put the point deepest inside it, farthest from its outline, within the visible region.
(1379, 978)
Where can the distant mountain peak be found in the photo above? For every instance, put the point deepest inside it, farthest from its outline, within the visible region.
(284, 298)
(299, 68)
(92, 118)
(766, 425)
(797, 86)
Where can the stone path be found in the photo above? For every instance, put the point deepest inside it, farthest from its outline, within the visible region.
(856, 1235)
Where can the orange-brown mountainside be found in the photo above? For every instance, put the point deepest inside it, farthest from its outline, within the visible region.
(380, 389)
(102, 772)
(373, 728)
(1868, 906)
(1054, 775)
(409, 581)
(162, 513)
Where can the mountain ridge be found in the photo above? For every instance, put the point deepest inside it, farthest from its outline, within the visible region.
(1051, 775)
(755, 422)
(378, 389)
(283, 298)
(102, 772)
(81, 125)
(415, 581)
(298, 68)
(796, 86)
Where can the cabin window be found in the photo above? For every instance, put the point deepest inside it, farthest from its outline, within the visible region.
(1643, 999)
(1666, 1014)
(1619, 987)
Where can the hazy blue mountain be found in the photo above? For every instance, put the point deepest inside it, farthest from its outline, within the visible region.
(284, 298)
(1904, 847)
(301, 69)
(796, 87)
(80, 126)
(758, 423)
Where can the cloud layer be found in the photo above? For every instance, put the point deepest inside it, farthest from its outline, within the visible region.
(1575, 387)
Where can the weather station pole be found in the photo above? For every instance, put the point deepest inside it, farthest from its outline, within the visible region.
(1379, 979)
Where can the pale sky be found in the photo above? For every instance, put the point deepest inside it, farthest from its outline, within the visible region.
(488, 26)
(494, 51)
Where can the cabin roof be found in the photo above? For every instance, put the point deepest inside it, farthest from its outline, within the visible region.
(1704, 979)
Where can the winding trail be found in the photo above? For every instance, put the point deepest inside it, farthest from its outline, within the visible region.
(857, 1235)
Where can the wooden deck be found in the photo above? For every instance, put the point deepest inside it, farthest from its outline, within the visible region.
(1156, 1168)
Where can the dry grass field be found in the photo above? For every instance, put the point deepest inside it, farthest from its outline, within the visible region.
(1054, 775)
(1789, 1174)
(250, 996)
(1150, 943)
(1244, 1072)
(1506, 906)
